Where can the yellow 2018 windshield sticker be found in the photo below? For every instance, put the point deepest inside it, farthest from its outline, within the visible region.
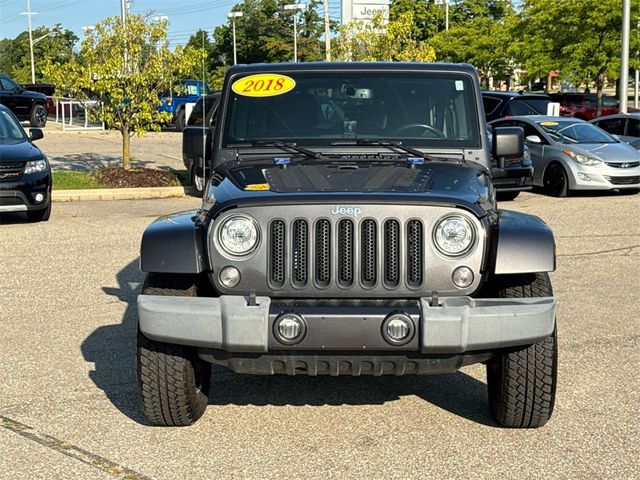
(263, 85)
(549, 124)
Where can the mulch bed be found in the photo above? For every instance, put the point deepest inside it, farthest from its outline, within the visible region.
(136, 178)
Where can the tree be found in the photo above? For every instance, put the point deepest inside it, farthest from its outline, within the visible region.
(428, 18)
(481, 41)
(578, 38)
(55, 46)
(265, 33)
(376, 40)
(130, 91)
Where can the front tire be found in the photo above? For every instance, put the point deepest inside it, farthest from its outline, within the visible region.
(173, 382)
(506, 196)
(38, 116)
(522, 383)
(556, 182)
(197, 182)
(180, 120)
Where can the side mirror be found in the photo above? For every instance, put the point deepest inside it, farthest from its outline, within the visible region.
(533, 139)
(508, 143)
(35, 134)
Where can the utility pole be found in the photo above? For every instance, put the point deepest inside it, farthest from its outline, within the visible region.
(29, 14)
(446, 12)
(636, 86)
(327, 32)
(624, 64)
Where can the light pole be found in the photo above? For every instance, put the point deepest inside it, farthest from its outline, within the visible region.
(446, 12)
(624, 64)
(29, 14)
(233, 16)
(295, 7)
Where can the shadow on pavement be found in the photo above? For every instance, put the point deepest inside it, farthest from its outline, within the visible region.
(14, 218)
(112, 349)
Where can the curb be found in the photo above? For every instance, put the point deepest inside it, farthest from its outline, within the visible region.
(91, 195)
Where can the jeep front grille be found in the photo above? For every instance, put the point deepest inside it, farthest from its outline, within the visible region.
(346, 253)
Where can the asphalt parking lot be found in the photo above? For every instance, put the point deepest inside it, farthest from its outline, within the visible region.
(68, 400)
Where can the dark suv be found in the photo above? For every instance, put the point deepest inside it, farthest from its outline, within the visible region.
(509, 104)
(25, 104)
(349, 228)
(25, 174)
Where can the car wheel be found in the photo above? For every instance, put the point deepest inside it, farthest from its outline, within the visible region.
(522, 383)
(38, 116)
(40, 215)
(180, 120)
(555, 181)
(173, 382)
(506, 196)
(197, 181)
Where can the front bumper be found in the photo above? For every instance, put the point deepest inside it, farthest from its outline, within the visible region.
(603, 177)
(456, 325)
(20, 195)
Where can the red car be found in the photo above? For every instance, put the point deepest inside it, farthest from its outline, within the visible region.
(583, 105)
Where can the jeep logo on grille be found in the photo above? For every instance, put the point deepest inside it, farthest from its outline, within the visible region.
(353, 211)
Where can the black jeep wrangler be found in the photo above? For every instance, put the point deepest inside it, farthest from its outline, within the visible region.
(350, 227)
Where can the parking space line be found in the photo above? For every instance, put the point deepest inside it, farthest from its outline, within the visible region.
(101, 463)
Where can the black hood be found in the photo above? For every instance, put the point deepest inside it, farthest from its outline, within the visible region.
(21, 150)
(376, 182)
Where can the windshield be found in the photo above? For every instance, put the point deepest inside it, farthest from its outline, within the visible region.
(572, 132)
(10, 129)
(323, 107)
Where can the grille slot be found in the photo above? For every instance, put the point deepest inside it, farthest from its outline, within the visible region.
(300, 253)
(276, 258)
(415, 253)
(323, 253)
(391, 253)
(368, 247)
(345, 253)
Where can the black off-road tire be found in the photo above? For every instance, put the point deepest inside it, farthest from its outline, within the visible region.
(173, 383)
(198, 183)
(38, 116)
(180, 120)
(522, 383)
(506, 196)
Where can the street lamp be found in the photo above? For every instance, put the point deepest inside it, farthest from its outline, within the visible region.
(295, 7)
(29, 14)
(233, 16)
(446, 10)
(624, 64)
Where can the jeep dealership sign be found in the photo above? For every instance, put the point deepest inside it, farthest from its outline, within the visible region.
(363, 9)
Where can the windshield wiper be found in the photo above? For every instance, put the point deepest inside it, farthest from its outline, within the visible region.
(388, 144)
(283, 145)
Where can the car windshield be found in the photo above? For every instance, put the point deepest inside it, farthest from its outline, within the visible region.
(324, 107)
(9, 128)
(571, 132)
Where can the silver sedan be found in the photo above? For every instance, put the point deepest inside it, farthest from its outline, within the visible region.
(571, 154)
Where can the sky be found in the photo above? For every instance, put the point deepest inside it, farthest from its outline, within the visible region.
(185, 16)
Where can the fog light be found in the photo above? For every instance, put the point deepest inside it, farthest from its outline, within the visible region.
(289, 328)
(584, 176)
(229, 277)
(39, 197)
(462, 277)
(398, 329)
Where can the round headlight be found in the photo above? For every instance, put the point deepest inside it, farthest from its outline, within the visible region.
(454, 235)
(238, 235)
